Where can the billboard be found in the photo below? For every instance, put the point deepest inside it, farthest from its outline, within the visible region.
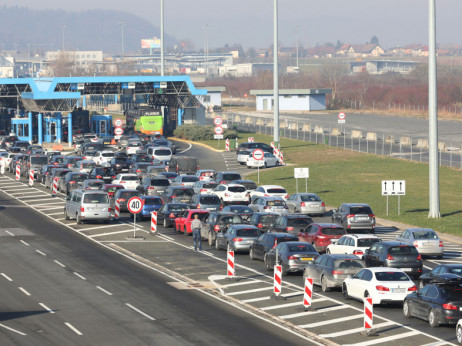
(150, 43)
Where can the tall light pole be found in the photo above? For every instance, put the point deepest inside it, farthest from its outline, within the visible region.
(296, 28)
(206, 49)
(162, 62)
(433, 174)
(122, 24)
(275, 77)
(64, 27)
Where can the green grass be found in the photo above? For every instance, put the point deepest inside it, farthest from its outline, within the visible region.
(340, 176)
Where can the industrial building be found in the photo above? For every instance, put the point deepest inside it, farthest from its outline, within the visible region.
(292, 99)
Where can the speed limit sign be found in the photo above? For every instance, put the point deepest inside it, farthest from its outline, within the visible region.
(217, 121)
(134, 205)
(118, 122)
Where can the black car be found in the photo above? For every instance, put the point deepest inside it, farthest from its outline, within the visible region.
(439, 272)
(263, 221)
(244, 211)
(70, 160)
(438, 303)
(266, 242)
(169, 212)
(104, 173)
(395, 254)
(292, 223)
(226, 177)
(120, 164)
(218, 222)
(123, 195)
(178, 194)
(44, 171)
(72, 181)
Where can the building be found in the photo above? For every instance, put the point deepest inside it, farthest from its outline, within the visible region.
(6, 67)
(292, 99)
(382, 66)
(213, 97)
(239, 70)
(81, 59)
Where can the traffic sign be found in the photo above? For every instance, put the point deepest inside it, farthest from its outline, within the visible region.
(118, 131)
(341, 118)
(218, 136)
(258, 154)
(218, 121)
(393, 187)
(118, 123)
(134, 205)
(218, 130)
(301, 173)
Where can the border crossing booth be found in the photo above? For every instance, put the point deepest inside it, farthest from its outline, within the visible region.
(102, 125)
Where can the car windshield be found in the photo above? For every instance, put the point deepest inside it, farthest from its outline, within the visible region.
(276, 191)
(62, 173)
(275, 203)
(391, 276)
(130, 178)
(39, 160)
(360, 210)
(333, 231)
(268, 219)
(160, 182)
(301, 248)
(96, 198)
(367, 242)
(403, 250)
(207, 174)
(152, 201)
(247, 232)
(457, 271)
(310, 198)
(143, 159)
(299, 222)
(107, 154)
(348, 263)
(236, 189)
(285, 239)
(418, 235)
(209, 200)
(88, 164)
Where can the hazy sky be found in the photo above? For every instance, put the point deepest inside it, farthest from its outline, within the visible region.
(250, 22)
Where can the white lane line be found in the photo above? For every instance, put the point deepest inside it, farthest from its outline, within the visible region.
(59, 263)
(181, 152)
(42, 209)
(163, 235)
(55, 213)
(80, 276)
(103, 290)
(11, 329)
(131, 241)
(331, 321)
(140, 312)
(6, 276)
(437, 343)
(75, 330)
(46, 308)
(106, 226)
(355, 330)
(40, 252)
(249, 291)
(320, 311)
(386, 339)
(292, 294)
(46, 203)
(24, 291)
(282, 306)
(22, 241)
(11, 234)
(247, 282)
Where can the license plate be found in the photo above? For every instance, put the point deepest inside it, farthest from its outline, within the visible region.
(362, 218)
(398, 290)
(406, 269)
(124, 169)
(306, 258)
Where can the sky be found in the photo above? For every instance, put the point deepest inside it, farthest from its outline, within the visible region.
(250, 22)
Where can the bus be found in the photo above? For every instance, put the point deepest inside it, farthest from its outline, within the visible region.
(146, 120)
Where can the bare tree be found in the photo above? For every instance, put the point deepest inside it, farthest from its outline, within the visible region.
(333, 72)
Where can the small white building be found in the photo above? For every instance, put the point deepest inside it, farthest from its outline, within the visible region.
(213, 97)
(79, 58)
(292, 99)
(6, 67)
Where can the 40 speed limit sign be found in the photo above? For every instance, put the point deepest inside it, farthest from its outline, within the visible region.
(134, 205)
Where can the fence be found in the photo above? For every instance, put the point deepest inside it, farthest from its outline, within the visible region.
(377, 143)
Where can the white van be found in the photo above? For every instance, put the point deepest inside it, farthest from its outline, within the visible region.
(160, 153)
(92, 205)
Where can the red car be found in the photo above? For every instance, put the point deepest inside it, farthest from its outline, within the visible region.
(320, 234)
(111, 188)
(183, 222)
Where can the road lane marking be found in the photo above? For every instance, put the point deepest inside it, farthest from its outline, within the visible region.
(11, 234)
(282, 306)
(46, 308)
(24, 291)
(106, 226)
(103, 290)
(40, 252)
(75, 330)
(292, 294)
(181, 152)
(22, 241)
(331, 321)
(319, 311)
(356, 330)
(55, 213)
(389, 338)
(249, 291)
(6, 277)
(11, 329)
(140, 312)
(80, 276)
(59, 263)
(247, 282)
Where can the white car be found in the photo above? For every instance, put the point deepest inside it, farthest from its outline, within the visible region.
(102, 158)
(205, 174)
(383, 285)
(269, 190)
(459, 332)
(185, 180)
(231, 194)
(269, 160)
(352, 244)
(7, 160)
(128, 180)
(133, 147)
(243, 155)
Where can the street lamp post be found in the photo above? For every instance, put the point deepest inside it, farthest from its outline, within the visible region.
(275, 77)
(64, 27)
(122, 24)
(206, 50)
(162, 62)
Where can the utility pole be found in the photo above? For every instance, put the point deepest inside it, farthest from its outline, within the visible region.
(64, 27)
(275, 77)
(122, 24)
(162, 63)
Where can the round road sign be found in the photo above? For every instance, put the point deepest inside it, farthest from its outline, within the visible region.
(258, 154)
(341, 116)
(118, 131)
(134, 205)
(118, 123)
(218, 130)
(218, 121)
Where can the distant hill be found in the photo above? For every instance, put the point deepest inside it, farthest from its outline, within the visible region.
(85, 30)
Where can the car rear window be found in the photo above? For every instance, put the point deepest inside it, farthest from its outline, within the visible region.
(160, 182)
(88, 165)
(209, 185)
(299, 222)
(268, 218)
(201, 215)
(162, 152)
(95, 183)
(230, 219)
(231, 176)
(360, 210)
(183, 192)
(425, 235)
(39, 160)
(310, 198)
(247, 232)
(236, 189)
(128, 194)
(210, 200)
(276, 191)
(457, 271)
(302, 248)
(152, 201)
(453, 293)
(332, 231)
(177, 207)
(368, 242)
(249, 185)
(391, 276)
(96, 198)
(275, 203)
(285, 239)
(240, 209)
(403, 250)
(130, 178)
(348, 263)
(189, 179)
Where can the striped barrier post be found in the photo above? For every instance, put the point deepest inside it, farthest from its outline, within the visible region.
(277, 280)
(2, 166)
(117, 209)
(281, 157)
(272, 145)
(18, 172)
(227, 144)
(154, 222)
(54, 191)
(31, 178)
(231, 271)
(308, 293)
(368, 314)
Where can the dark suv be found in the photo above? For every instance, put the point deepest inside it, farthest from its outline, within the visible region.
(354, 216)
(255, 145)
(395, 254)
(266, 242)
(218, 222)
(226, 177)
(292, 223)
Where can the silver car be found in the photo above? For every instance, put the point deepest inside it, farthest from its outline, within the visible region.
(237, 237)
(293, 256)
(269, 204)
(354, 216)
(88, 205)
(306, 203)
(425, 240)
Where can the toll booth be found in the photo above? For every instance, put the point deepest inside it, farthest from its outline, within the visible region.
(53, 128)
(102, 125)
(23, 128)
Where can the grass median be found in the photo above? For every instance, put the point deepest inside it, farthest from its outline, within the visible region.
(340, 176)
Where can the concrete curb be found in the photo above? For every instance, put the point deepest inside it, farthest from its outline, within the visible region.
(196, 143)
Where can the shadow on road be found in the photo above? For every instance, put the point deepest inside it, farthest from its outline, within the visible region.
(5, 316)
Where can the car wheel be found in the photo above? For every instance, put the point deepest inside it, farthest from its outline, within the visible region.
(328, 251)
(324, 286)
(345, 292)
(459, 334)
(267, 263)
(366, 294)
(432, 319)
(283, 270)
(251, 254)
(77, 218)
(211, 239)
(407, 309)
(65, 214)
(421, 284)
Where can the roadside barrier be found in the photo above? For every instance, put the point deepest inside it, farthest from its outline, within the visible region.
(356, 134)
(368, 313)
(371, 136)
(389, 139)
(227, 145)
(405, 141)
(31, 178)
(18, 172)
(54, 190)
(441, 146)
(318, 129)
(336, 132)
(422, 143)
(308, 293)
(277, 280)
(154, 222)
(231, 270)
(117, 209)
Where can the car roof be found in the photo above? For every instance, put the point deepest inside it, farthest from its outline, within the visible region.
(296, 216)
(384, 269)
(240, 226)
(420, 229)
(272, 186)
(233, 185)
(357, 204)
(264, 213)
(362, 236)
(391, 243)
(326, 224)
(342, 256)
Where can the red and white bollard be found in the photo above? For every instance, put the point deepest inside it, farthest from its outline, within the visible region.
(231, 271)
(117, 209)
(2, 166)
(250, 140)
(368, 314)
(308, 293)
(272, 145)
(277, 280)
(54, 191)
(227, 145)
(281, 157)
(18, 172)
(31, 178)
(154, 222)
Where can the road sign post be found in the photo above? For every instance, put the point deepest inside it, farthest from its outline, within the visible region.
(394, 188)
(134, 205)
(258, 155)
(301, 173)
(218, 131)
